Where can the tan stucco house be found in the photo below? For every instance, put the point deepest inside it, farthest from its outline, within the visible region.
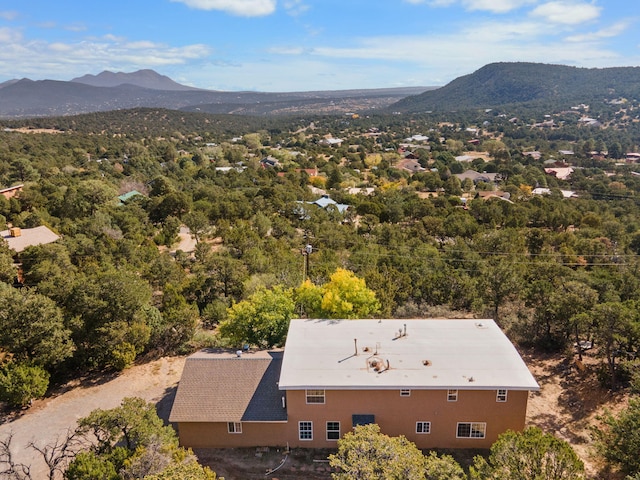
(441, 383)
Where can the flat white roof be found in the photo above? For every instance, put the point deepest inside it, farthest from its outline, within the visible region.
(29, 237)
(433, 354)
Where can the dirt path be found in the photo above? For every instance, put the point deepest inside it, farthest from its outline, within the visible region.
(568, 403)
(49, 419)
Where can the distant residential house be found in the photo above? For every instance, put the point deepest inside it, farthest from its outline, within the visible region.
(589, 122)
(533, 154)
(417, 138)
(478, 177)
(325, 201)
(410, 165)
(440, 383)
(486, 195)
(561, 173)
(330, 141)
(20, 238)
(269, 162)
(547, 191)
(125, 197)
(361, 190)
(566, 152)
(632, 157)
(465, 158)
(11, 191)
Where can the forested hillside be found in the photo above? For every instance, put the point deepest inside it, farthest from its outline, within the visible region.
(552, 270)
(500, 84)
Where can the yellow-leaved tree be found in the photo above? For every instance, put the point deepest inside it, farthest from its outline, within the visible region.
(343, 296)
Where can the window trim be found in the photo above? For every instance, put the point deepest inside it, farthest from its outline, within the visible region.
(315, 394)
(405, 392)
(420, 426)
(502, 397)
(234, 427)
(452, 395)
(334, 422)
(308, 423)
(480, 427)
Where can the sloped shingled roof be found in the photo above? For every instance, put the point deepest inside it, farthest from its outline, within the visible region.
(227, 388)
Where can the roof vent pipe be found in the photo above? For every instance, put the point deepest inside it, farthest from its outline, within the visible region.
(405, 330)
(355, 343)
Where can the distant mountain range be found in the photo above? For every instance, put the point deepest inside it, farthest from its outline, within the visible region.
(146, 88)
(142, 78)
(499, 84)
(493, 85)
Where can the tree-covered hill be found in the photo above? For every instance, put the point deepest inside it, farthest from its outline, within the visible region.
(499, 84)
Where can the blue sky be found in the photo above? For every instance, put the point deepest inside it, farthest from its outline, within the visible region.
(301, 45)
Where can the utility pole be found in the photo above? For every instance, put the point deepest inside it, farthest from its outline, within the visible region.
(307, 252)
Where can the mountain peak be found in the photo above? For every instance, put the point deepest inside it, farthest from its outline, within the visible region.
(146, 78)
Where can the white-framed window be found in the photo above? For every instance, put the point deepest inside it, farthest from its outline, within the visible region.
(333, 430)
(234, 427)
(315, 396)
(423, 427)
(501, 395)
(471, 430)
(405, 392)
(452, 395)
(305, 430)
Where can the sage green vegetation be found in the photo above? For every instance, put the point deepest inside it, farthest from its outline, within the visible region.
(617, 438)
(552, 271)
(132, 442)
(529, 455)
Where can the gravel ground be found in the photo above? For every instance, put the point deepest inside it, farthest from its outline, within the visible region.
(52, 417)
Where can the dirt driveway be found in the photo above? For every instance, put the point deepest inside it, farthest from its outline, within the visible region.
(50, 418)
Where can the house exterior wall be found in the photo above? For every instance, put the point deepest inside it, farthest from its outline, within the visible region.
(397, 415)
(216, 435)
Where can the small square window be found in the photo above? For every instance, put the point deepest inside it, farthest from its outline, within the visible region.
(501, 395)
(333, 430)
(305, 430)
(471, 430)
(315, 396)
(452, 395)
(405, 392)
(234, 427)
(423, 427)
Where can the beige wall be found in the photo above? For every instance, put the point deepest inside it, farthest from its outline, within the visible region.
(395, 414)
(216, 435)
(398, 415)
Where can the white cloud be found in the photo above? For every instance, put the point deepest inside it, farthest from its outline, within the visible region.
(9, 35)
(296, 7)
(608, 32)
(8, 15)
(567, 12)
(494, 6)
(64, 60)
(244, 8)
(438, 58)
(76, 27)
